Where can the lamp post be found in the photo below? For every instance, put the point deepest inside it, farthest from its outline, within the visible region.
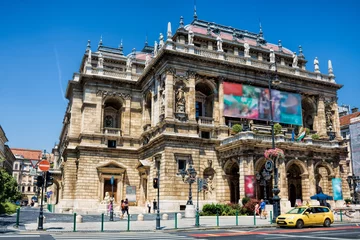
(41, 214)
(275, 190)
(190, 175)
(112, 199)
(263, 178)
(354, 183)
(158, 198)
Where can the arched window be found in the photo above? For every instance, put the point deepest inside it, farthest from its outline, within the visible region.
(204, 100)
(112, 113)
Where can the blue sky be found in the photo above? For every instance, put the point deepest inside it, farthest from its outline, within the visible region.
(42, 43)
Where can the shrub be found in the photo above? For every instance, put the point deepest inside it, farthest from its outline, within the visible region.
(244, 200)
(221, 209)
(315, 136)
(277, 128)
(236, 128)
(250, 206)
(7, 208)
(307, 131)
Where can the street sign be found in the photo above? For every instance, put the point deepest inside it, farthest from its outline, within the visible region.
(112, 180)
(33, 172)
(269, 165)
(44, 165)
(200, 184)
(34, 163)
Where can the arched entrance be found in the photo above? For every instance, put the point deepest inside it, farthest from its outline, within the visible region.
(294, 184)
(234, 183)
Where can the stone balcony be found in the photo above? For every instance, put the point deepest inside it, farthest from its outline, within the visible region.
(278, 139)
(207, 121)
(112, 132)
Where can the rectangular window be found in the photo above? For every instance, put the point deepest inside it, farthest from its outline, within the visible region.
(205, 134)
(198, 106)
(181, 164)
(111, 143)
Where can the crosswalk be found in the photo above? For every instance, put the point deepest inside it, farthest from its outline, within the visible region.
(121, 236)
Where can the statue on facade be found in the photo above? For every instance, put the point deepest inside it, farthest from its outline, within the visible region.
(272, 56)
(316, 65)
(128, 64)
(100, 61)
(246, 49)
(295, 60)
(180, 100)
(88, 62)
(147, 60)
(106, 198)
(219, 43)
(161, 40)
(191, 37)
(155, 48)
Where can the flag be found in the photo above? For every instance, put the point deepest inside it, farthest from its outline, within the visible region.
(293, 135)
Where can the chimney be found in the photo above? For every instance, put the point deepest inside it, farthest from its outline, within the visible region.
(354, 110)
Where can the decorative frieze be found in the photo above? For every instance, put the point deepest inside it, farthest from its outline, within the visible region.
(104, 94)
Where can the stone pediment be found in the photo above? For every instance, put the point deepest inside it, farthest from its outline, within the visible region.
(111, 167)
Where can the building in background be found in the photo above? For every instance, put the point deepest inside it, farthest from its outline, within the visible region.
(172, 105)
(6, 157)
(25, 160)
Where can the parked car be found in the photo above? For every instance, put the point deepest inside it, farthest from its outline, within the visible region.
(306, 216)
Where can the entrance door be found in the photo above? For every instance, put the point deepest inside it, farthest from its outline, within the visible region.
(292, 194)
(107, 188)
(234, 184)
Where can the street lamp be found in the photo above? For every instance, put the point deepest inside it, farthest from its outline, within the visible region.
(190, 175)
(263, 178)
(273, 79)
(41, 214)
(158, 197)
(112, 199)
(354, 183)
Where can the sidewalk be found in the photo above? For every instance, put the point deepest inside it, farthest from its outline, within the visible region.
(182, 224)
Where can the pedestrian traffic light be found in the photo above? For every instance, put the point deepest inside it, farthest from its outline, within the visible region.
(39, 181)
(49, 179)
(156, 183)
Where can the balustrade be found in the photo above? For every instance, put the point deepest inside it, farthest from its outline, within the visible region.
(205, 121)
(112, 131)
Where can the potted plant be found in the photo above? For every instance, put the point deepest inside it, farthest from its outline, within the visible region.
(277, 128)
(315, 136)
(274, 153)
(347, 201)
(236, 128)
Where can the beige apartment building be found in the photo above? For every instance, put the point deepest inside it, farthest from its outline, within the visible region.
(174, 104)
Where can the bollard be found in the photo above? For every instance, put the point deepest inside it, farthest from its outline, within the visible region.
(217, 218)
(74, 230)
(197, 218)
(175, 220)
(17, 216)
(128, 225)
(340, 215)
(254, 218)
(102, 222)
(271, 217)
(237, 217)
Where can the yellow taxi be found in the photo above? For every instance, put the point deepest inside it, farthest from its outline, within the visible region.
(306, 216)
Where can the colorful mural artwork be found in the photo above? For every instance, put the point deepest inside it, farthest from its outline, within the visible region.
(243, 101)
(336, 184)
(250, 186)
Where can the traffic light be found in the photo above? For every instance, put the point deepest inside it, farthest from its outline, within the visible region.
(49, 179)
(39, 181)
(156, 183)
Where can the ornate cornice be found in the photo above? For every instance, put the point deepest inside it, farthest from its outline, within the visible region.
(104, 94)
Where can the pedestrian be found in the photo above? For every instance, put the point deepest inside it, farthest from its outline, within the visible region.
(122, 208)
(257, 209)
(262, 208)
(148, 206)
(126, 202)
(154, 205)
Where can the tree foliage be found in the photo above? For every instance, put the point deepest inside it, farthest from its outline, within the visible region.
(8, 187)
(277, 128)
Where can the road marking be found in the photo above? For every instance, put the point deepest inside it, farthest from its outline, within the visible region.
(304, 236)
(20, 235)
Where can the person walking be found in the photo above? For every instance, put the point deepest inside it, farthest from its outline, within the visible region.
(148, 203)
(262, 208)
(126, 202)
(257, 207)
(122, 208)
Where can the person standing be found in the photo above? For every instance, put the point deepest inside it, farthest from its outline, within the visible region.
(148, 206)
(154, 205)
(262, 208)
(126, 202)
(122, 208)
(257, 207)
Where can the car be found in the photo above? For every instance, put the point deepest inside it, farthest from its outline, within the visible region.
(306, 216)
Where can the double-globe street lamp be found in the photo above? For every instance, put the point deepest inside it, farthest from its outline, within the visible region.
(189, 176)
(262, 179)
(274, 80)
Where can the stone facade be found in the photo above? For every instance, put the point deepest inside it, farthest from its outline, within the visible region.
(6, 157)
(129, 115)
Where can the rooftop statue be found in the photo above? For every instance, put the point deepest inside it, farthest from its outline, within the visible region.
(161, 40)
(246, 49)
(191, 37)
(89, 58)
(128, 63)
(100, 61)
(316, 65)
(295, 60)
(147, 60)
(219, 43)
(272, 56)
(155, 48)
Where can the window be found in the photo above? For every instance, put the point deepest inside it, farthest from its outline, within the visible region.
(205, 134)
(181, 164)
(28, 189)
(198, 109)
(16, 166)
(111, 143)
(23, 189)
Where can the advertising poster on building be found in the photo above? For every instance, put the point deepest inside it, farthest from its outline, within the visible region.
(250, 186)
(131, 193)
(243, 101)
(337, 189)
(355, 144)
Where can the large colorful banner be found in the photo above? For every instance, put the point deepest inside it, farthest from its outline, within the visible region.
(337, 189)
(243, 101)
(250, 186)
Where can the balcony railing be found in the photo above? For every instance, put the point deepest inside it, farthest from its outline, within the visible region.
(205, 121)
(112, 131)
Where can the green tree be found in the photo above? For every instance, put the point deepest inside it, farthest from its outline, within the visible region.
(8, 187)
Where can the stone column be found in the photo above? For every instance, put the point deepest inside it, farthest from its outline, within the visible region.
(169, 93)
(305, 187)
(283, 184)
(320, 119)
(242, 173)
(312, 180)
(127, 118)
(69, 178)
(221, 102)
(190, 106)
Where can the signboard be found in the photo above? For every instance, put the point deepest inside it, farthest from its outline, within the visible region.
(33, 172)
(44, 165)
(355, 144)
(131, 193)
(243, 101)
(250, 185)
